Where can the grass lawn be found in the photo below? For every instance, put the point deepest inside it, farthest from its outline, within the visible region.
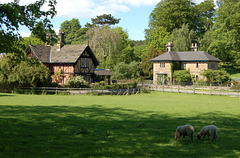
(234, 73)
(116, 126)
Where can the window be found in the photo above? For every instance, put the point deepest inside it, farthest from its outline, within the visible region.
(84, 62)
(162, 65)
(183, 65)
(197, 65)
(196, 77)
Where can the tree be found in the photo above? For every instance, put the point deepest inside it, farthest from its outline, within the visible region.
(103, 41)
(126, 71)
(13, 15)
(205, 13)
(146, 66)
(158, 38)
(223, 41)
(46, 35)
(173, 14)
(18, 70)
(124, 51)
(74, 32)
(105, 19)
(182, 38)
(139, 51)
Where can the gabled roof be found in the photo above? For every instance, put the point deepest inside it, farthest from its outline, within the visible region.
(186, 56)
(67, 54)
(41, 52)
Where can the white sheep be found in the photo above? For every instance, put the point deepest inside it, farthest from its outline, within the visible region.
(186, 130)
(209, 130)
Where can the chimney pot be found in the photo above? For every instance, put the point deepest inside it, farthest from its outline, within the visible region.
(169, 47)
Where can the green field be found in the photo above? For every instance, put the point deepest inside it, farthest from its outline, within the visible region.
(116, 126)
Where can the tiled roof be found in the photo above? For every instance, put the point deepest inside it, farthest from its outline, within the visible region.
(67, 54)
(42, 52)
(186, 56)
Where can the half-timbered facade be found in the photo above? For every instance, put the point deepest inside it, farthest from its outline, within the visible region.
(71, 60)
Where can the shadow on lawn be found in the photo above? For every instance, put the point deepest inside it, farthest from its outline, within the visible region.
(65, 131)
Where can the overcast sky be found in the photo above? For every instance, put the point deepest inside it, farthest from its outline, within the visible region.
(134, 14)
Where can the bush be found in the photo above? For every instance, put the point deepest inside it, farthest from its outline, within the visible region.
(76, 82)
(18, 70)
(216, 76)
(183, 76)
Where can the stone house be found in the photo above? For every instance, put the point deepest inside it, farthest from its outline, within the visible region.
(71, 60)
(193, 60)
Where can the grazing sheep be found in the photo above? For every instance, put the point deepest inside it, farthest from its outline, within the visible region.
(209, 130)
(186, 130)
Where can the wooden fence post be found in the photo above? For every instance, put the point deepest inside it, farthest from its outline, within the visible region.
(210, 89)
(193, 89)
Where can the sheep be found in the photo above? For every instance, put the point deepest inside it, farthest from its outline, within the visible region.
(209, 130)
(186, 130)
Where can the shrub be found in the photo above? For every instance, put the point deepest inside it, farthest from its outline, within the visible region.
(76, 82)
(17, 70)
(183, 76)
(216, 76)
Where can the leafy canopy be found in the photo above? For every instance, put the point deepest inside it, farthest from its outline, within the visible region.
(105, 19)
(13, 15)
(19, 70)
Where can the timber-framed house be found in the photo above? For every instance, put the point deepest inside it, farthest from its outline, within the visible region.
(70, 60)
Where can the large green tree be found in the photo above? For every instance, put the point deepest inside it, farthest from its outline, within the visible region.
(158, 38)
(13, 15)
(205, 14)
(172, 14)
(105, 19)
(46, 35)
(182, 38)
(110, 44)
(146, 66)
(223, 41)
(18, 70)
(74, 32)
(126, 71)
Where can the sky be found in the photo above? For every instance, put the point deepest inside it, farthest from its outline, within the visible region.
(134, 14)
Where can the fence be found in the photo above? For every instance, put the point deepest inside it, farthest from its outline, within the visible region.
(57, 90)
(198, 89)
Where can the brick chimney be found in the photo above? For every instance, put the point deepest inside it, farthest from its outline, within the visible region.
(61, 42)
(169, 47)
(194, 47)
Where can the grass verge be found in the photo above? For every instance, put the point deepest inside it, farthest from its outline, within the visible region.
(116, 126)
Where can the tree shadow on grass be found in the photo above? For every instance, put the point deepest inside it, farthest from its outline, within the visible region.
(96, 131)
(5, 95)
